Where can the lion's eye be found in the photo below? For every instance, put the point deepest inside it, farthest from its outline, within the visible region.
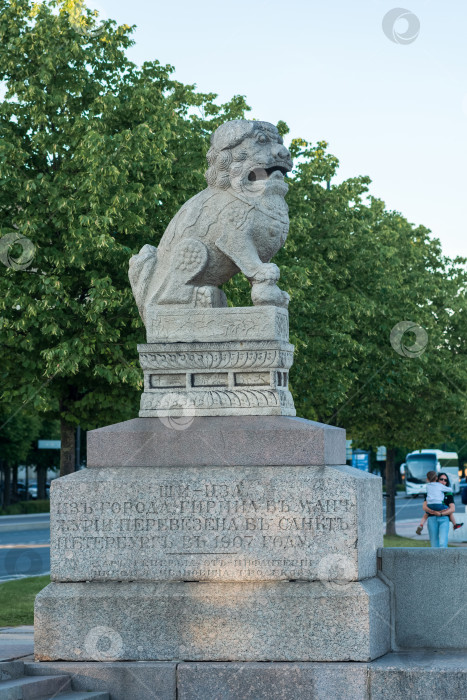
(261, 138)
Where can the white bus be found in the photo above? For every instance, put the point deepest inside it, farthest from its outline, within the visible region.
(418, 463)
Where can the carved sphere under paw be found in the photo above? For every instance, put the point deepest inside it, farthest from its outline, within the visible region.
(267, 294)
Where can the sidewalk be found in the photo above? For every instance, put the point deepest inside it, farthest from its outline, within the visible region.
(16, 642)
(406, 528)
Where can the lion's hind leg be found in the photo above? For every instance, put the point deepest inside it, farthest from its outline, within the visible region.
(210, 297)
(188, 260)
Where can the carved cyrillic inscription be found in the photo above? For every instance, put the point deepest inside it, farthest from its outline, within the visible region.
(182, 525)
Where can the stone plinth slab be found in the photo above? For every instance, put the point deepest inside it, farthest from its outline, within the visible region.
(172, 324)
(216, 441)
(215, 524)
(212, 622)
(411, 674)
(273, 681)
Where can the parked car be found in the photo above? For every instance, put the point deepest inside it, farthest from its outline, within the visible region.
(32, 490)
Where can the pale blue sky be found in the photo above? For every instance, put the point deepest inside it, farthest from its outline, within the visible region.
(395, 112)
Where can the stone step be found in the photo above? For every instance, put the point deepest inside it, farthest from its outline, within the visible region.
(76, 695)
(9, 670)
(32, 688)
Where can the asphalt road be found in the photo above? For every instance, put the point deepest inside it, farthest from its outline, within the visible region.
(24, 549)
(411, 508)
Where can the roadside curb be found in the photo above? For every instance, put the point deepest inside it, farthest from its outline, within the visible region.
(24, 526)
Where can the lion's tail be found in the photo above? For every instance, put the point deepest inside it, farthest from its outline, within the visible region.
(141, 273)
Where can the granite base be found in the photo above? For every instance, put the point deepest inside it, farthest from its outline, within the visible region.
(320, 621)
(415, 675)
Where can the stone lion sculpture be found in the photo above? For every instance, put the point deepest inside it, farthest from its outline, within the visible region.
(235, 225)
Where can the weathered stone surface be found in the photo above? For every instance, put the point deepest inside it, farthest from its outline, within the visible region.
(273, 681)
(249, 323)
(215, 524)
(419, 674)
(211, 379)
(411, 674)
(216, 441)
(9, 670)
(212, 622)
(123, 680)
(235, 225)
(424, 617)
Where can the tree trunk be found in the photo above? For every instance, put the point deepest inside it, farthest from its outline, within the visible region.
(391, 491)
(41, 479)
(6, 485)
(14, 483)
(67, 451)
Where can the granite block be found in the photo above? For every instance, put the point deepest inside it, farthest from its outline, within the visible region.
(272, 681)
(417, 606)
(419, 674)
(212, 622)
(215, 524)
(179, 325)
(216, 441)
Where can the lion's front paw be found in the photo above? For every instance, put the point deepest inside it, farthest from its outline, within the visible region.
(267, 294)
(268, 272)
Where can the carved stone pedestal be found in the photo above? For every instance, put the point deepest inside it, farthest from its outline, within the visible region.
(215, 362)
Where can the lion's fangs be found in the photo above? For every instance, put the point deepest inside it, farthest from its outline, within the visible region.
(265, 173)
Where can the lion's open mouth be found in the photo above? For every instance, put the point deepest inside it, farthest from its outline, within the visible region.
(265, 173)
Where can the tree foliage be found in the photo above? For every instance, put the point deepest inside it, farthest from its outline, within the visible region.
(96, 156)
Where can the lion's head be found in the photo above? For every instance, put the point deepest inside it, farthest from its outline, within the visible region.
(249, 157)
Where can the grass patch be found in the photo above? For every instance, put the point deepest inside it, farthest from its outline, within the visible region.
(27, 507)
(397, 541)
(17, 600)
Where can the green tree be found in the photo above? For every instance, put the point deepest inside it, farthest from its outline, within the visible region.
(18, 431)
(96, 156)
(355, 271)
